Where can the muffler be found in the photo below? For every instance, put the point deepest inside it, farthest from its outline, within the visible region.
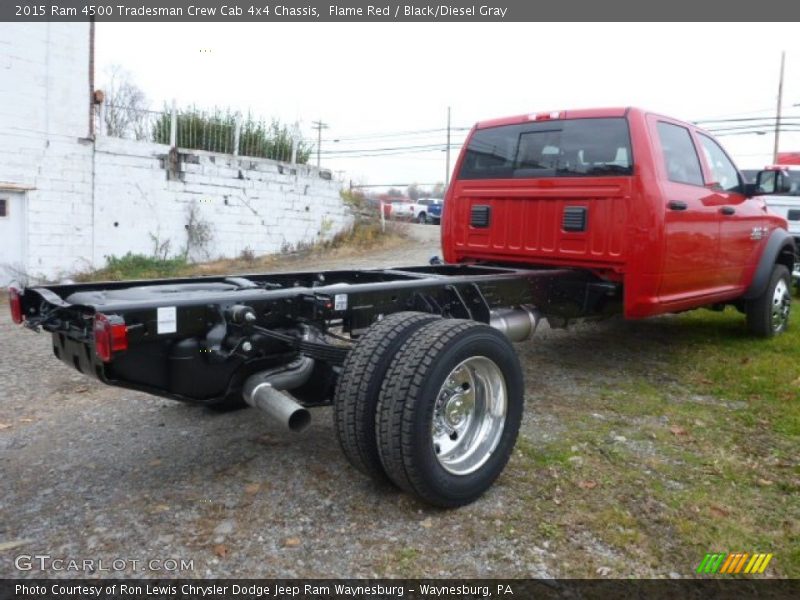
(517, 324)
(265, 391)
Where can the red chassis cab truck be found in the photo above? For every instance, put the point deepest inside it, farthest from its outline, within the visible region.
(558, 216)
(644, 200)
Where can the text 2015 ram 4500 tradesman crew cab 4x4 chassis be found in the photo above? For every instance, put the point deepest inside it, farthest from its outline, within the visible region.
(563, 215)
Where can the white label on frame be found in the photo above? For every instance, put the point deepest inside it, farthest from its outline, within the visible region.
(167, 321)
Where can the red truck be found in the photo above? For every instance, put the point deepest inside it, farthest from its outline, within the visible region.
(560, 215)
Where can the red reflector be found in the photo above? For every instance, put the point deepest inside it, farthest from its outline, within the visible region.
(110, 335)
(15, 303)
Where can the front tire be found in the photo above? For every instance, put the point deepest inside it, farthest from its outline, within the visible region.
(449, 411)
(768, 315)
(422, 218)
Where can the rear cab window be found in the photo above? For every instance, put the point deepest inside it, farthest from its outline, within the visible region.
(593, 147)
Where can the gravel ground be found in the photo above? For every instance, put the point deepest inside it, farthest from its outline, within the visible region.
(95, 472)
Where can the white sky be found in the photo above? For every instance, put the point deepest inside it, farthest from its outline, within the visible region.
(374, 78)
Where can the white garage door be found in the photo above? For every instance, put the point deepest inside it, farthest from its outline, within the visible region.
(12, 236)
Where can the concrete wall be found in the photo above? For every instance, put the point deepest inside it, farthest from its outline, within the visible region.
(84, 199)
(258, 204)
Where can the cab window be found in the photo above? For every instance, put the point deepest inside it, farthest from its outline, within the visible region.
(680, 156)
(722, 169)
(596, 147)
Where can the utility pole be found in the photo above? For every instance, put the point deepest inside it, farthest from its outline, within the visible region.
(447, 166)
(778, 114)
(319, 126)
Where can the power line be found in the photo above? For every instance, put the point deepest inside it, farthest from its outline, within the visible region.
(769, 118)
(396, 153)
(764, 125)
(394, 185)
(392, 148)
(380, 135)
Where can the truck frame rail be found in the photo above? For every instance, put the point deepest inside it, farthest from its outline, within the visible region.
(198, 339)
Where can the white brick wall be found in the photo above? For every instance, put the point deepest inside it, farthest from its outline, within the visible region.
(88, 200)
(44, 120)
(248, 202)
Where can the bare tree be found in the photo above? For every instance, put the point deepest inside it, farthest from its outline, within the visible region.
(199, 233)
(126, 106)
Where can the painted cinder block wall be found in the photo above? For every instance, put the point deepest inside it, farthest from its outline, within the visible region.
(85, 199)
(256, 204)
(45, 148)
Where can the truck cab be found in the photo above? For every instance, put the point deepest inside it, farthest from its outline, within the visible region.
(637, 198)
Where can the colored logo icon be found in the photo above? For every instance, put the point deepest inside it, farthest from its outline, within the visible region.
(731, 564)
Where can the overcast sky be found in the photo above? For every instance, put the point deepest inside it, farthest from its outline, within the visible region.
(369, 79)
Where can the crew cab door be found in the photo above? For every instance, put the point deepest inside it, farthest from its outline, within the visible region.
(740, 217)
(691, 219)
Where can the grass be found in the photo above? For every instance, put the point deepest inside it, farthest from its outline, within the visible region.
(652, 472)
(136, 266)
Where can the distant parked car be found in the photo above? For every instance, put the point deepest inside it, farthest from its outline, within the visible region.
(433, 212)
(404, 211)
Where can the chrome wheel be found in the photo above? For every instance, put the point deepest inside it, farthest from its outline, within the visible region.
(469, 415)
(781, 305)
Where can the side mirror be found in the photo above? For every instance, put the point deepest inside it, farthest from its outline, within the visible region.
(772, 182)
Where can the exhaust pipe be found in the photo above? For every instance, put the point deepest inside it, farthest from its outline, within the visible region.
(279, 406)
(265, 391)
(517, 324)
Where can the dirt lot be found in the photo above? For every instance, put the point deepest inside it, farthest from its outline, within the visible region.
(634, 460)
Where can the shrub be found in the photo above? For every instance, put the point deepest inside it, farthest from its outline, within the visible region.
(214, 131)
(247, 255)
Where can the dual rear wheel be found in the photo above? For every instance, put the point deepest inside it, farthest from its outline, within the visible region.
(432, 405)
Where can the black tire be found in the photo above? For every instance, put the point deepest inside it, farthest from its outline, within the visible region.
(406, 410)
(768, 315)
(422, 218)
(356, 398)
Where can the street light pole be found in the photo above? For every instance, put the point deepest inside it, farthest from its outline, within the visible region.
(447, 166)
(778, 114)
